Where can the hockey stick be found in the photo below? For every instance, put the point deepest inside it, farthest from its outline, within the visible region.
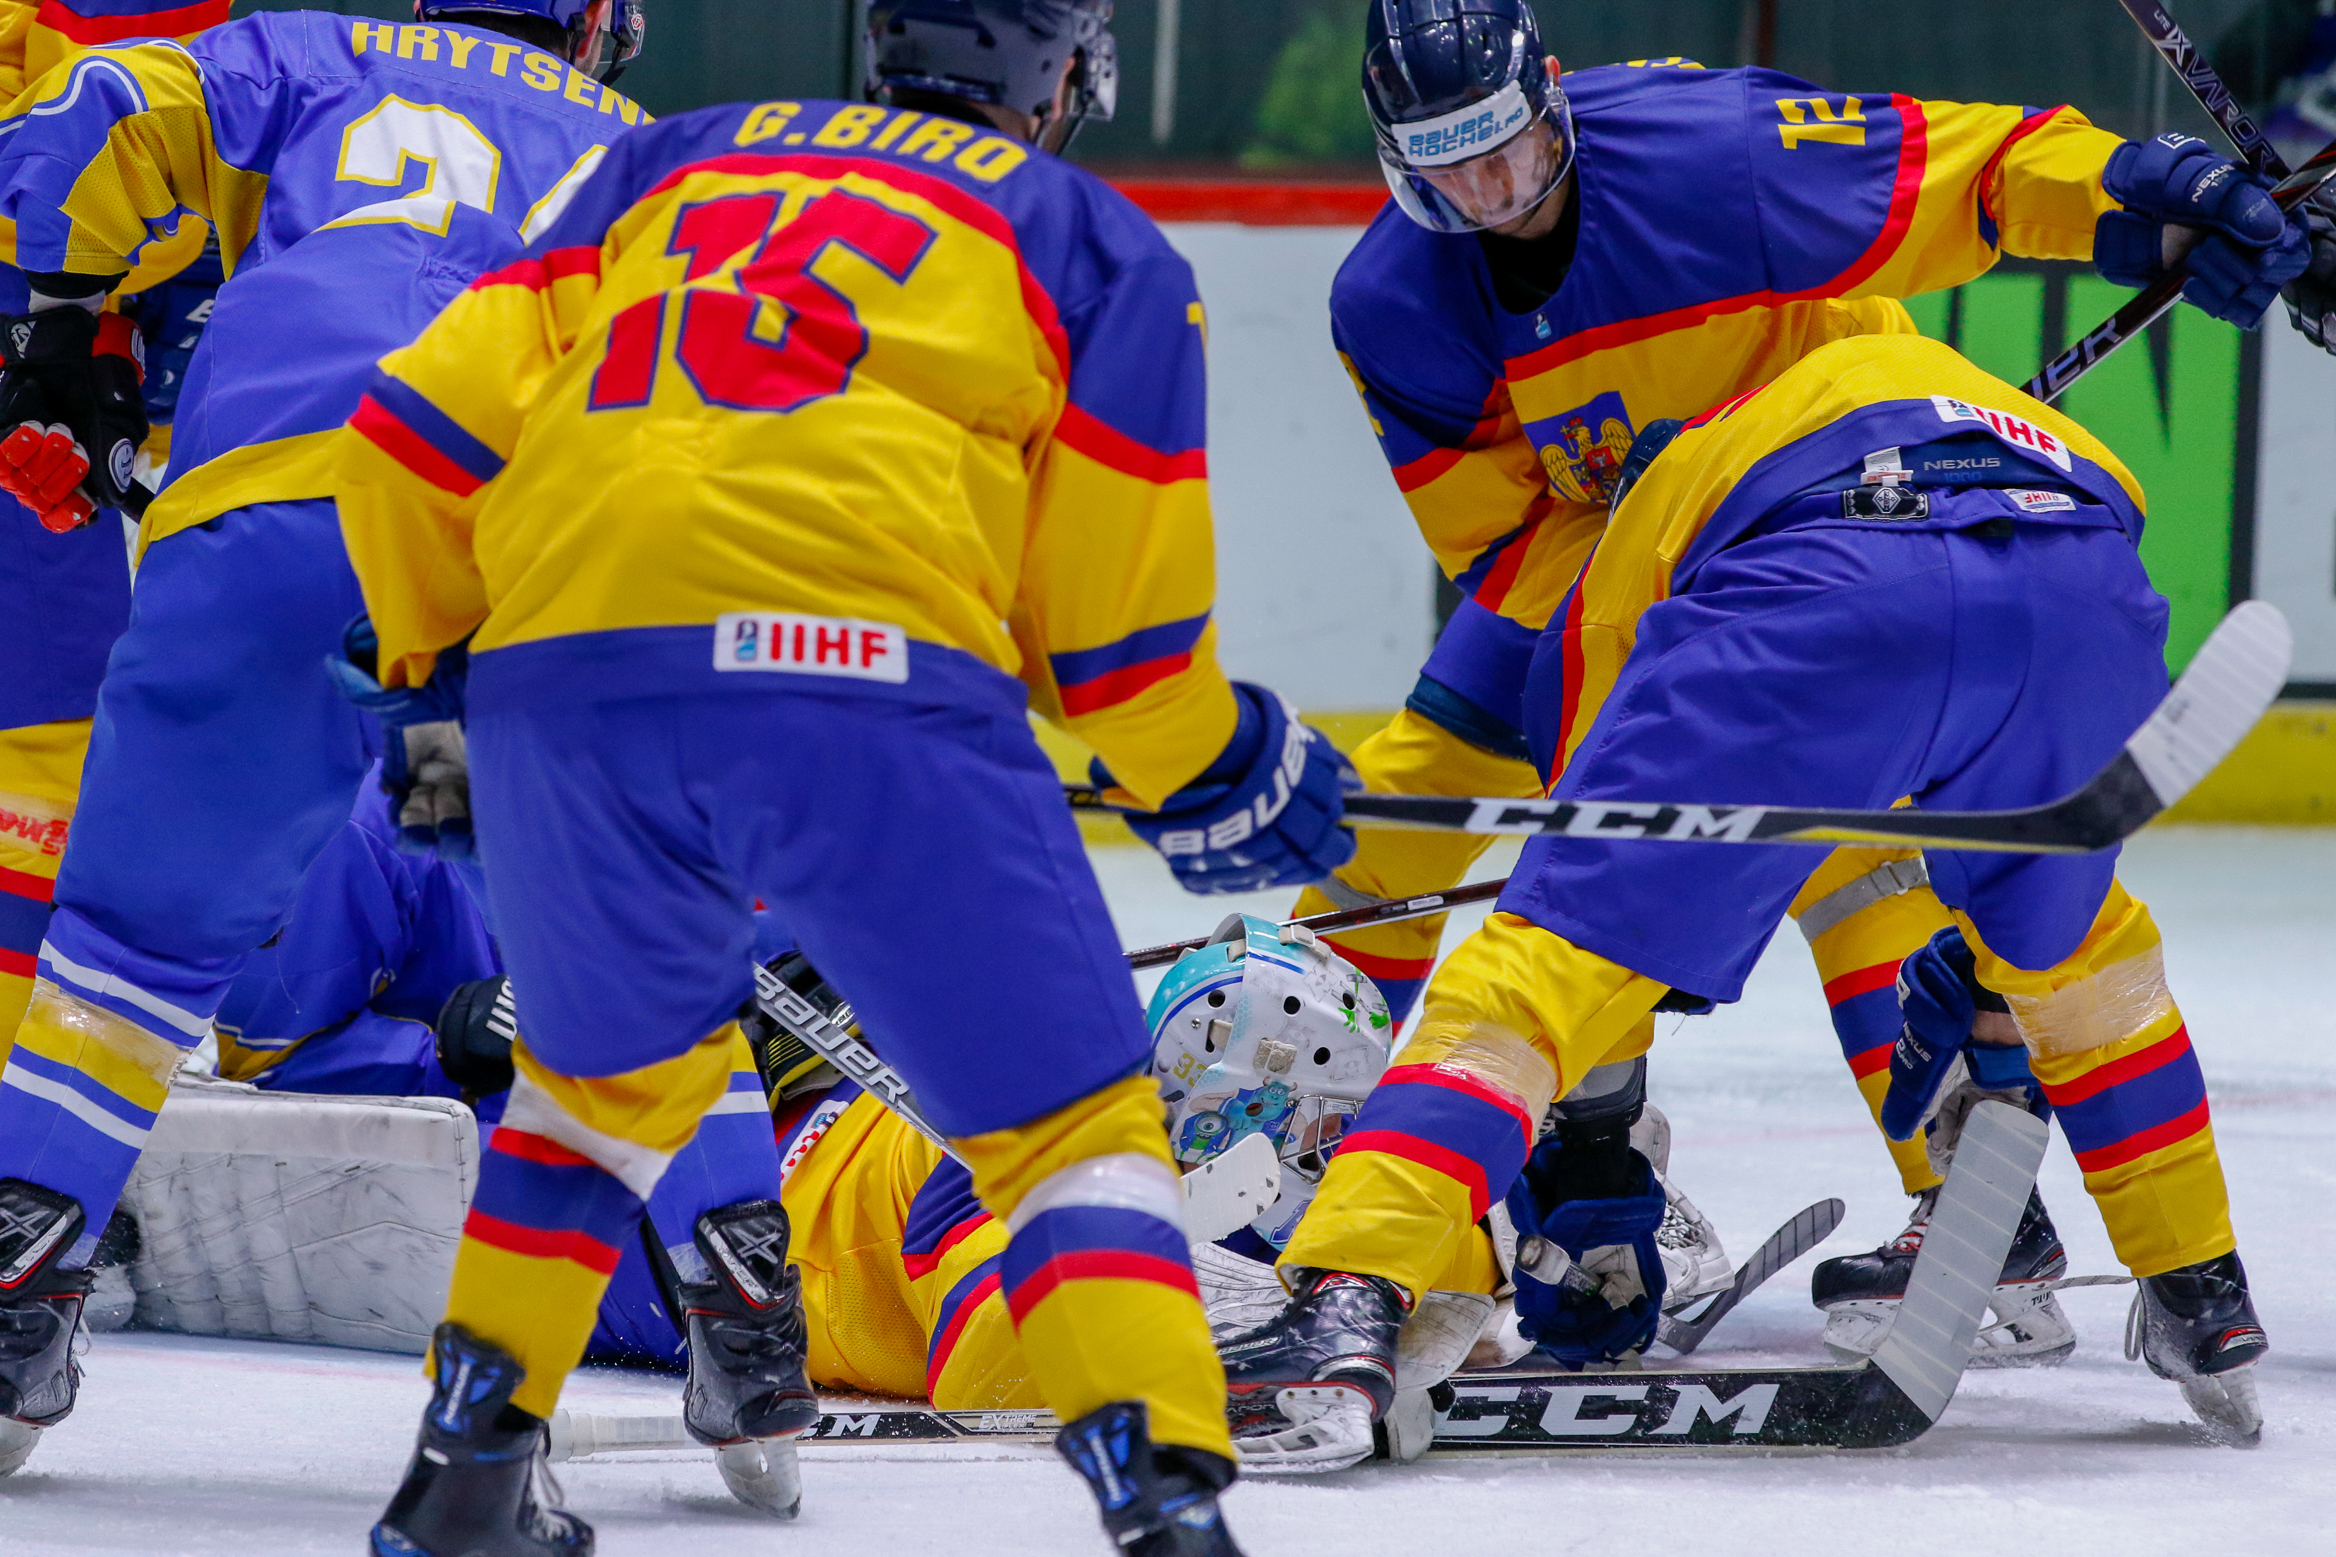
(2175, 47)
(1787, 1244)
(2233, 678)
(1891, 1398)
(1230, 1190)
(2214, 95)
(1388, 912)
(2153, 302)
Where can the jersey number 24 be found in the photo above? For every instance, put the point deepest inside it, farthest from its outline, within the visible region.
(739, 352)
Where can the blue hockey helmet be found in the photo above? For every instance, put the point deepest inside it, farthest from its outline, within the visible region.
(1008, 52)
(604, 36)
(1473, 128)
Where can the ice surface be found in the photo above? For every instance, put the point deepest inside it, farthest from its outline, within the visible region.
(189, 1446)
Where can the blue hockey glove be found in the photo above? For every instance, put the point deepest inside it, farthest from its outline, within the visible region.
(2249, 249)
(425, 767)
(1936, 1002)
(1610, 1300)
(1264, 814)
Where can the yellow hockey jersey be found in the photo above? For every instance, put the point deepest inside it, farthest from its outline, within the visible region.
(819, 389)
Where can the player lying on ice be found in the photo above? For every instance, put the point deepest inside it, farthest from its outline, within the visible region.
(1263, 1032)
(811, 447)
(1570, 259)
(1786, 609)
(222, 758)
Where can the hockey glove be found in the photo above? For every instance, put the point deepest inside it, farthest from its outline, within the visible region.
(1652, 440)
(1607, 1298)
(425, 767)
(475, 1030)
(1939, 998)
(2177, 185)
(1264, 814)
(2311, 297)
(71, 414)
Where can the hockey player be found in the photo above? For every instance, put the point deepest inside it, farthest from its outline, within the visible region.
(1568, 260)
(1780, 573)
(811, 447)
(222, 759)
(63, 600)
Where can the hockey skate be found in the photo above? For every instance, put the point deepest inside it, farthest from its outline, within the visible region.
(1860, 1294)
(2197, 1326)
(1304, 1388)
(479, 1484)
(1694, 1264)
(40, 1314)
(749, 1394)
(1156, 1501)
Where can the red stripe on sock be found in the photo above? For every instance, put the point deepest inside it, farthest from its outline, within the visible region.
(1459, 1168)
(1098, 1265)
(2141, 1143)
(1863, 982)
(536, 1243)
(23, 883)
(945, 1343)
(2139, 1063)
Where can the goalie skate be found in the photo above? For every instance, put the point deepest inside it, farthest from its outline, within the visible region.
(1860, 1294)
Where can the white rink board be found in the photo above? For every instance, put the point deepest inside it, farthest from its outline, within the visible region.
(1325, 591)
(2295, 499)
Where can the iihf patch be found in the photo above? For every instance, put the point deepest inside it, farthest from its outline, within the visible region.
(1884, 502)
(2031, 501)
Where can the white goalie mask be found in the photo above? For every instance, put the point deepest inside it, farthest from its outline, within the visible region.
(1266, 1032)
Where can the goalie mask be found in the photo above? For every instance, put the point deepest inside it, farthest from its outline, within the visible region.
(1266, 1032)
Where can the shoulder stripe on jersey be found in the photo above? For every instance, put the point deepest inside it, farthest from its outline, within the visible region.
(110, 21)
(425, 440)
(539, 272)
(1093, 679)
(1108, 446)
(1913, 157)
(1414, 474)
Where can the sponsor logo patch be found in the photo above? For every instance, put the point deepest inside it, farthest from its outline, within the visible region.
(2017, 431)
(810, 645)
(2034, 502)
(1884, 502)
(1465, 132)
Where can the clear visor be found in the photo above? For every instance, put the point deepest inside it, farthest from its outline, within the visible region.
(1493, 189)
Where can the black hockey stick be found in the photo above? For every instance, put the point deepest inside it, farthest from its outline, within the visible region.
(1890, 1398)
(1389, 912)
(2214, 95)
(1787, 1244)
(2153, 302)
(2175, 47)
(2233, 678)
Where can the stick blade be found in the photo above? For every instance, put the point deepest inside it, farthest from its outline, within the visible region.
(1962, 1257)
(2234, 677)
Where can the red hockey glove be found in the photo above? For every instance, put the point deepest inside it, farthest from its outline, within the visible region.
(71, 414)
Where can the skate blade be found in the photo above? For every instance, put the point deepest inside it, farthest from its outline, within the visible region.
(1330, 1429)
(2227, 1406)
(16, 1445)
(2027, 1330)
(764, 1474)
